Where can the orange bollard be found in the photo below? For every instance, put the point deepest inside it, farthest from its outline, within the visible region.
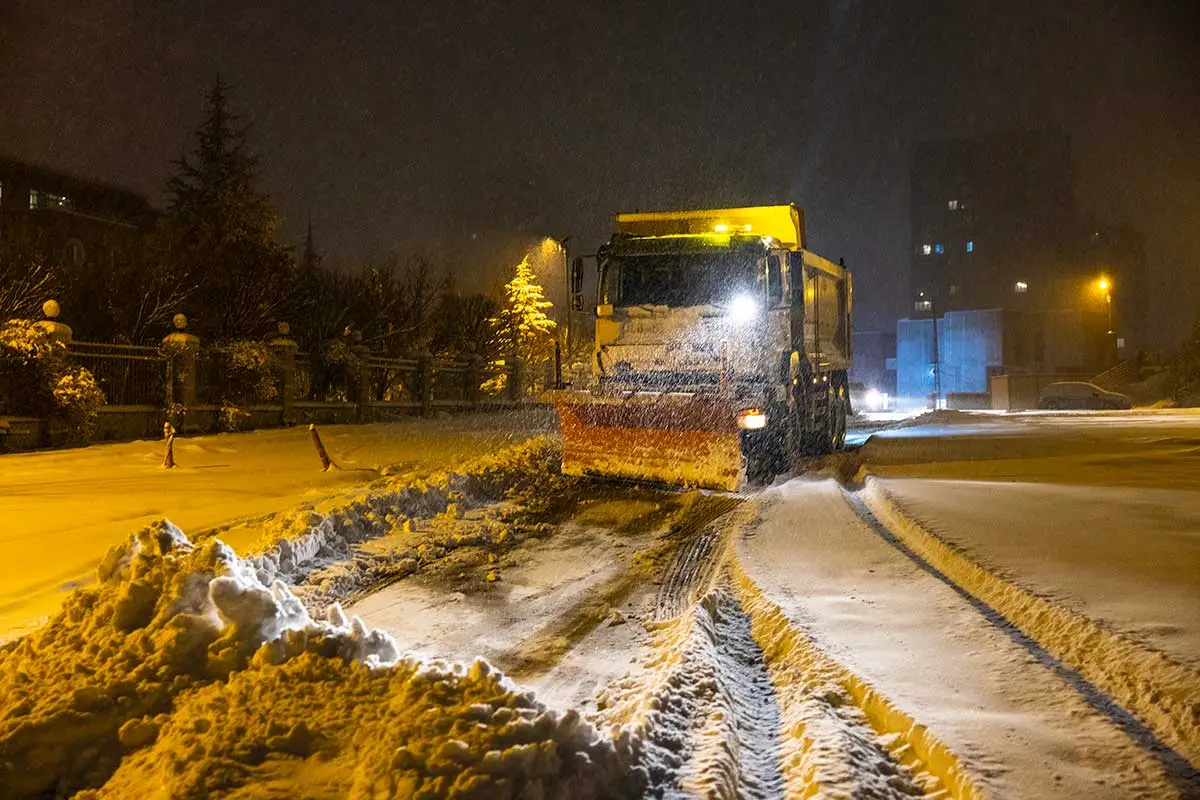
(169, 459)
(326, 461)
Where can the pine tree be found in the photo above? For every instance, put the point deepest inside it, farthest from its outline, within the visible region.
(523, 327)
(222, 230)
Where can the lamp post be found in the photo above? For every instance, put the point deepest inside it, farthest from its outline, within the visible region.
(562, 342)
(925, 303)
(1105, 286)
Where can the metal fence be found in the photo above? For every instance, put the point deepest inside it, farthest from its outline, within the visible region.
(129, 375)
(133, 375)
(392, 380)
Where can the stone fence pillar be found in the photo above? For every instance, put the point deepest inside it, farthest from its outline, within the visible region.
(181, 348)
(362, 389)
(56, 330)
(474, 379)
(284, 349)
(424, 381)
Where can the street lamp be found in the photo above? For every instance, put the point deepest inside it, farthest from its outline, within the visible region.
(549, 245)
(1105, 286)
(926, 303)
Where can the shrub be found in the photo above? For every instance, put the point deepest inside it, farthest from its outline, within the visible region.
(243, 373)
(38, 379)
(232, 417)
(78, 399)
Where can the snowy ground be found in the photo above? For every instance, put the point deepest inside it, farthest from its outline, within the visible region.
(977, 606)
(61, 510)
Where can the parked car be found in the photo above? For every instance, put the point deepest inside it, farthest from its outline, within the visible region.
(1080, 394)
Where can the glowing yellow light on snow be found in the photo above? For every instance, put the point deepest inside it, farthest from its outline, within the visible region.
(721, 227)
(747, 228)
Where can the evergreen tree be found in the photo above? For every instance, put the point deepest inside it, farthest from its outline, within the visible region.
(523, 327)
(222, 230)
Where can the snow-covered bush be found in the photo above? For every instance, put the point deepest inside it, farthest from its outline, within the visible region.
(78, 399)
(232, 417)
(240, 374)
(38, 379)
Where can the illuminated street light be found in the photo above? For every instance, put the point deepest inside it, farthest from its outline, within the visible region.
(549, 246)
(1105, 286)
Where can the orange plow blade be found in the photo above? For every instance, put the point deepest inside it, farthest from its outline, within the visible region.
(682, 440)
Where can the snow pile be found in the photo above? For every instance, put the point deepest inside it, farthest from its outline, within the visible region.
(452, 540)
(319, 546)
(181, 674)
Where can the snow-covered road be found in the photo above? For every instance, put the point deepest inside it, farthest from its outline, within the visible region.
(976, 606)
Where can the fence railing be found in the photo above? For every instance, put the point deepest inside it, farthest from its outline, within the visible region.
(129, 375)
(134, 375)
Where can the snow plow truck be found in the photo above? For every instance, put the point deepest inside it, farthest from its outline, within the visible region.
(721, 352)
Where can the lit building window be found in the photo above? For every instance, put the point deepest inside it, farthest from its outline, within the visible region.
(971, 246)
(47, 200)
(926, 249)
(1021, 287)
(952, 205)
(937, 248)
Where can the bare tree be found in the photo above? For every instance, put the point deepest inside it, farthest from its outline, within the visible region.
(25, 283)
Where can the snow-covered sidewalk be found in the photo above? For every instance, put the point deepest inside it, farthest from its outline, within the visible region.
(1008, 717)
(62, 510)
(1126, 557)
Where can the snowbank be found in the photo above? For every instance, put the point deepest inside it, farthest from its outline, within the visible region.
(308, 545)
(181, 674)
(188, 671)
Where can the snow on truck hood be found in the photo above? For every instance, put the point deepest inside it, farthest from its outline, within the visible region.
(688, 339)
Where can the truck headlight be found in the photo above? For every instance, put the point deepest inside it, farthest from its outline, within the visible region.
(752, 419)
(742, 309)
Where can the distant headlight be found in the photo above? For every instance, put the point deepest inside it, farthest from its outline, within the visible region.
(752, 419)
(742, 309)
(875, 400)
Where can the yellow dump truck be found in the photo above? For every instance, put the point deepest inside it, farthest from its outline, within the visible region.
(721, 353)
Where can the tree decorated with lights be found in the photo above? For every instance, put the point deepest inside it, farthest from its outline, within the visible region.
(523, 327)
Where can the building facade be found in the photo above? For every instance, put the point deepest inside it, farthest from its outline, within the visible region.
(64, 218)
(1018, 280)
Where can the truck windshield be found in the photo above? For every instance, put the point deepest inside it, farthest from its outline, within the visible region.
(680, 280)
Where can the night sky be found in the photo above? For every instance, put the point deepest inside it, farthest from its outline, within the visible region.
(459, 130)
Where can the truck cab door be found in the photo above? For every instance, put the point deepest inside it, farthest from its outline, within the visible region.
(796, 278)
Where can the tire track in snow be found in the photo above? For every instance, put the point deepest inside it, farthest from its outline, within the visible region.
(1153, 699)
(543, 650)
(734, 748)
(689, 575)
(840, 735)
(732, 721)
